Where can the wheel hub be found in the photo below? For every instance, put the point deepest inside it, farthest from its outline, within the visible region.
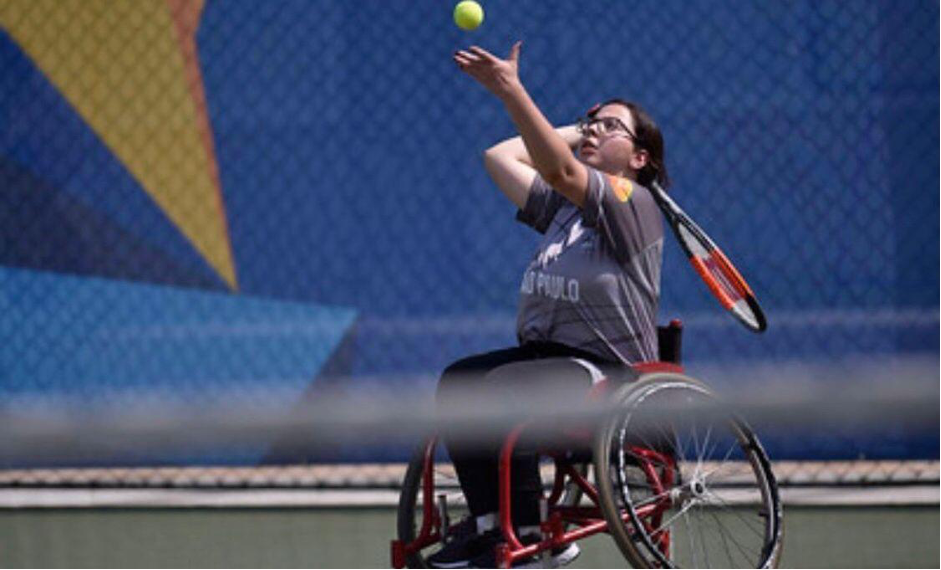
(695, 490)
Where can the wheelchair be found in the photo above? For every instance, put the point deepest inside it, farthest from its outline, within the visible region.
(675, 479)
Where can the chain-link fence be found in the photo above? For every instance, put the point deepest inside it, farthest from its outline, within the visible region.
(261, 199)
(389, 476)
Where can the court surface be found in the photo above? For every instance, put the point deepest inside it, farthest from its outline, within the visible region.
(843, 537)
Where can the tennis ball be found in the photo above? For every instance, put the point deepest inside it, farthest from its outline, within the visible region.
(468, 15)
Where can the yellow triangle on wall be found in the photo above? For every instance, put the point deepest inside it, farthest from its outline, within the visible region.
(130, 69)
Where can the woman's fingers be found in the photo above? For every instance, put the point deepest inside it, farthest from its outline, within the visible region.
(477, 54)
(468, 56)
(483, 54)
(515, 51)
(489, 70)
(466, 64)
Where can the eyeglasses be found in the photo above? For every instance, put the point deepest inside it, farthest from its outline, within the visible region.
(604, 126)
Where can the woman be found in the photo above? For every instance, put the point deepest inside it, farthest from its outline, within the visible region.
(589, 295)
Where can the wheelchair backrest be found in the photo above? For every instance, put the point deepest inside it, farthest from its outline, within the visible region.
(670, 339)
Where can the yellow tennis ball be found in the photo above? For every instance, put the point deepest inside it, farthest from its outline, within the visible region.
(468, 15)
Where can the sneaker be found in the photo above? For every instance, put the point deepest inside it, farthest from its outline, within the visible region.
(558, 557)
(463, 530)
(463, 545)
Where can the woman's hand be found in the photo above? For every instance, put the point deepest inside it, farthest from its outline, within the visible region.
(499, 76)
(571, 136)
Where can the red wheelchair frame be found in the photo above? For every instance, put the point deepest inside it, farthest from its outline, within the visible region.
(673, 475)
(562, 524)
(658, 468)
(584, 521)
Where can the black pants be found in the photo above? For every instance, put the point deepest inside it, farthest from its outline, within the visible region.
(509, 379)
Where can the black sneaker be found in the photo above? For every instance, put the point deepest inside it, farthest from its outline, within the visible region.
(463, 545)
(464, 529)
(558, 557)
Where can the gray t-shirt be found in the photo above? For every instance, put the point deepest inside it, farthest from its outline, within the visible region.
(594, 282)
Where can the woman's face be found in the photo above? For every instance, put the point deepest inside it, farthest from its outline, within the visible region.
(608, 142)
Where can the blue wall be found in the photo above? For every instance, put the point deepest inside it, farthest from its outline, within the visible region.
(803, 136)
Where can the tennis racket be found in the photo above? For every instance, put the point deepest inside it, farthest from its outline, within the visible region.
(715, 269)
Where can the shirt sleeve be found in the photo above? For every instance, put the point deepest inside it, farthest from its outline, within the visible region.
(541, 206)
(623, 212)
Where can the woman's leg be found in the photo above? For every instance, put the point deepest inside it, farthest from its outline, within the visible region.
(463, 385)
(531, 390)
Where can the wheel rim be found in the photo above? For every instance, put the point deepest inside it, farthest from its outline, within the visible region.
(445, 484)
(697, 489)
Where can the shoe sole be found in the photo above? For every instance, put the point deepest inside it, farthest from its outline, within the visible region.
(559, 560)
(566, 557)
(450, 565)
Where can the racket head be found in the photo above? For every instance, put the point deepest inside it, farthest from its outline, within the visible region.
(724, 281)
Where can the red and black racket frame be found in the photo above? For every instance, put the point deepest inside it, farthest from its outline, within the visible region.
(728, 285)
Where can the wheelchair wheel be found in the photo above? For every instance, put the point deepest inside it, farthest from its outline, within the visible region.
(428, 526)
(684, 483)
(426, 529)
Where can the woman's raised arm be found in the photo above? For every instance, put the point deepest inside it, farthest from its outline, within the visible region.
(549, 153)
(511, 167)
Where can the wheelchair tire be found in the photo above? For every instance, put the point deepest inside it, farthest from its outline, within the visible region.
(685, 489)
(410, 513)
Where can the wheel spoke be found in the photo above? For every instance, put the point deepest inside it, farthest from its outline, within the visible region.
(725, 541)
(695, 435)
(692, 546)
(702, 536)
(692, 450)
(681, 447)
(652, 499)
(646, 459)
(724, 460)
(646, 443)
(702, 452)
(670, 520)
(714, 446)
(738, 545)
(751, 525)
